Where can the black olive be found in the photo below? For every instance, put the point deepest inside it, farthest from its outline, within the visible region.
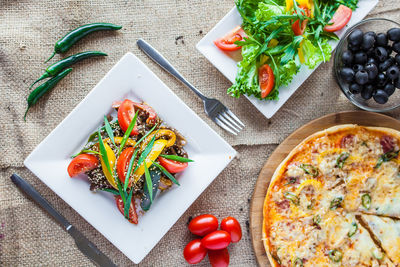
(381, 53)
(361, 77)
(357, 67)
(396, 47)
(373, 61)
(397, 58)
(347, 58)
(393, 72)
(389, 89)
(372, 70)
(380, 96)
(370, 53)
(386, 64)
(360, 57)
(368, 42)
(347, 74)
(389, 50)
(373, 34)
(353, 48)
(366, 93)
(381, 79)
(356, 37)
(381, 39)
(394, 34)
(355, 88)
(397, 83)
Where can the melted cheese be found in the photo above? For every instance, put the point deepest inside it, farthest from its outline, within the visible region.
(388, 233)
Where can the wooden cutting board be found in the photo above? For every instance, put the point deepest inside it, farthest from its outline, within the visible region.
(363, 118)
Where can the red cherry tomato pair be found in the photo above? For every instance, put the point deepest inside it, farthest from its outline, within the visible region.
(214, 241)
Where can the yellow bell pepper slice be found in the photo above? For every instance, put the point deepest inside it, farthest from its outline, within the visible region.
(301, 52)
(289, 5)
(158, 147)
(161, 133)
(118, 140)
(111, 159)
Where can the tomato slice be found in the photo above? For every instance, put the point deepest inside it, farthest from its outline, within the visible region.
(126, 112)
(81, 164)
(266, 80)
(226, 43)
(123, 163)
(152, 115)
(299, 28)
(133, 217)
(340, 19)
(172, 166)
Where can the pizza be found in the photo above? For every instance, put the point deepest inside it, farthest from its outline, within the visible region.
(317, 197)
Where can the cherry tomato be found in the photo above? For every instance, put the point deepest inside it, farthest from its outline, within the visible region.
(133, 218)
(126, 112)
(171, 165)
(232, 226)
(216, 240)
(299, 28)
(266, 80)
(152, 115)
(203, 224)
(340, 19)
(194, 252)
(123, 163)
(227, 43)
(219, 258)
(81, 164)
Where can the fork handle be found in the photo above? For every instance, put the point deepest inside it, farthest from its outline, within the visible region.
(160, 60)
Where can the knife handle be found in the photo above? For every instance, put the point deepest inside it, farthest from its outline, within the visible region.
(30, 191)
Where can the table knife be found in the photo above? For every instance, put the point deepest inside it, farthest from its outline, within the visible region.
(84, 245)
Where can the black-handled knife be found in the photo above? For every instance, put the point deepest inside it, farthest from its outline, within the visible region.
(84, 245)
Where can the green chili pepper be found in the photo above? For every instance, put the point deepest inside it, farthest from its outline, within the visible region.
(298, 263)
(309, 169)
(57, 67)
(44, 88)
(388, 156)
(366, 201)
(317, 219)
(353, 229)
(335, 203)
(65, 43)
(292, 197)
(335, 255)
(341, 159)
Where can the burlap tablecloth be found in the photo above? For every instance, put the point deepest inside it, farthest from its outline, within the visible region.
(28, 236)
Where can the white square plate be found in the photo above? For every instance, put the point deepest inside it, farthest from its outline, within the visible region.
(130, 78)
(228, 66)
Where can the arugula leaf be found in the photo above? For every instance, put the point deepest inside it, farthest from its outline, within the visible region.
(176, 158)
(109, 130)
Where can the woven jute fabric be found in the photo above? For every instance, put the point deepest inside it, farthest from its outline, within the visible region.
(28, 236)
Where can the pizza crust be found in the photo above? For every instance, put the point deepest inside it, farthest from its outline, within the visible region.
(282, 167)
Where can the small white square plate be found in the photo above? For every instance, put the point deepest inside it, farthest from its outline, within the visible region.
(228, 66)
(130, 78)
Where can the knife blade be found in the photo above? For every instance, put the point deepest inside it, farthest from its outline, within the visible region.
(83, 244)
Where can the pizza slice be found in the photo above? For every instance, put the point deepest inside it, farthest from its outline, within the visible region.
(387, 231)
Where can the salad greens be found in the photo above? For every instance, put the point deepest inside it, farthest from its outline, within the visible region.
(271, 40)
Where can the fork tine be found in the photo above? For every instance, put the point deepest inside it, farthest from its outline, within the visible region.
(223, 126)
(226, 122)
(232, 121)
(234, 117)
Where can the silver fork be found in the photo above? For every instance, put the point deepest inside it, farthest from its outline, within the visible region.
(220, 114)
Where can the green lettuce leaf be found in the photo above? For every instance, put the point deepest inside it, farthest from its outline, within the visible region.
(315, 54)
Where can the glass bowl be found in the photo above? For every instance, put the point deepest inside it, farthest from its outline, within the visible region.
(377, 25)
